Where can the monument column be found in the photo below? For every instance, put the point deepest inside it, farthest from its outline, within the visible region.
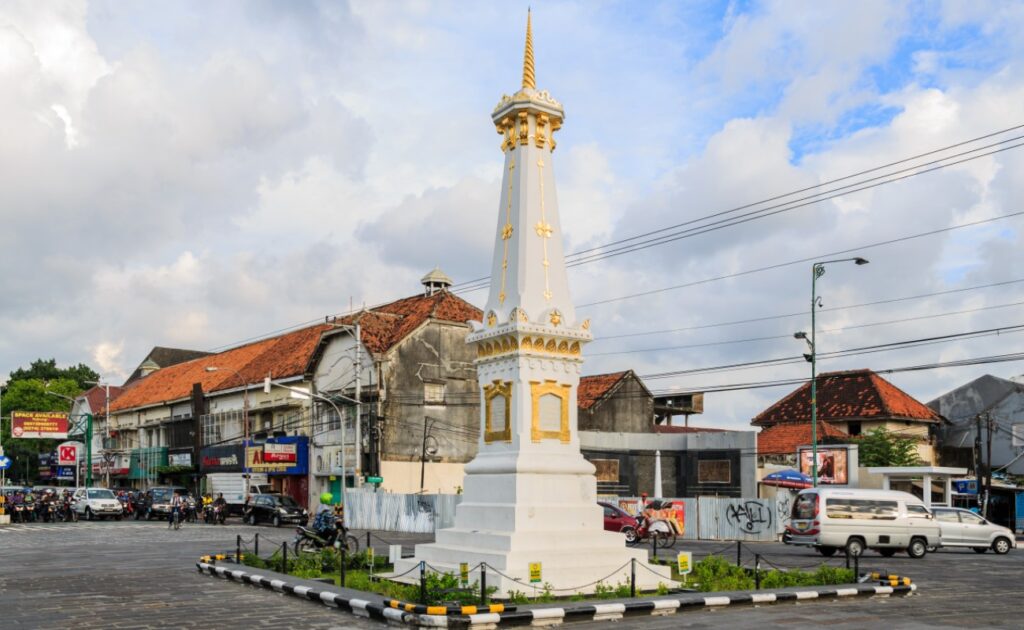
(529, 495)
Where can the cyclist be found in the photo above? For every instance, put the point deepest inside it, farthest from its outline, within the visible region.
(174, 518)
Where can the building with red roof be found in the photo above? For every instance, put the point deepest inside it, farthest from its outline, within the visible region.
(850, 403)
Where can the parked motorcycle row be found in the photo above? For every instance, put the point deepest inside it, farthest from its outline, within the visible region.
(69, 505)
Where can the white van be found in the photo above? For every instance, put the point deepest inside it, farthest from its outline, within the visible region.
(851, 519)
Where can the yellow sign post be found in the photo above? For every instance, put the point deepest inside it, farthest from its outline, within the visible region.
(684, 562)
(535, 572)
(464, 572)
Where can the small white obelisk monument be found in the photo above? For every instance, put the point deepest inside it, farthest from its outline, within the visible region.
(530, 496)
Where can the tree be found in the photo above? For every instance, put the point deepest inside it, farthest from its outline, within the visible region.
(883, 448)
(47, 370)
(30, 395)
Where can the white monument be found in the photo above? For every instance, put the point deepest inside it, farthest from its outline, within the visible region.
(530, 496)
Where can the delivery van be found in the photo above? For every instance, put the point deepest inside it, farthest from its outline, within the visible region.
(232, 486)
(853, 520)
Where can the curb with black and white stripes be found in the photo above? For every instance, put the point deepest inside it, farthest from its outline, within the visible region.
(544, 616)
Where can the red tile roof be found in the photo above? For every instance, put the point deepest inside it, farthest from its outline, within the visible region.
(383, 326)
(851, 395)
(288, 354)
(97, 397)
(784, 438)
(671, 428)
(593, 388)
(280, 357)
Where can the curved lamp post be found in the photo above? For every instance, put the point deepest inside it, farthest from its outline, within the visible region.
(817, 271)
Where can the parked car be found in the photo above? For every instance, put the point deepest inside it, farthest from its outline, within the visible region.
(963, 528)
(830, 519)
(616, 519)
(275, 509)
(96, 503)
(156, 502)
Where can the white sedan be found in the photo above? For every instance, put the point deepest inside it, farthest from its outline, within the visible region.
(963, 528)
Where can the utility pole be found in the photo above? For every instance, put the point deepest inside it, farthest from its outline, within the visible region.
(988, 464)
(359, 409)
(979, 471)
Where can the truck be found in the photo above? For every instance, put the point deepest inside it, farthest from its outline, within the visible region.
(232, 486)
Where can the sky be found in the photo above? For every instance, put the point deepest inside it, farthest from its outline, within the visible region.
(195, 174)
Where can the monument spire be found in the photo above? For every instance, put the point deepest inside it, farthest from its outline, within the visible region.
(529, 354)
(529, 78)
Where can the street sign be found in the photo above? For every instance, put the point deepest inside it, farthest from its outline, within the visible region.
(67, 454)
(5, 462)
(375, 480)
(684, 562)
(534, 572)
(464, 572)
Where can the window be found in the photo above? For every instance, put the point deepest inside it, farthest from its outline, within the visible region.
(714, 471)
(609, 513)
(917, 510)
(433, 393)
(101, 494)
(946, 516)
(805, 506)
(861, 509)
(607, 470)
(1018, 434)
(970, 518)
(853, 428)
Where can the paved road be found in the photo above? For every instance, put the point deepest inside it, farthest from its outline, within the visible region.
(141, 575)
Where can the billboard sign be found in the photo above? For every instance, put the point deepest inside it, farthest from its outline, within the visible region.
(67, 454)
(833, 465)
(39, 425)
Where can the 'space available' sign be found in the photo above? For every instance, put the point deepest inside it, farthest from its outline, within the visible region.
(39, 425)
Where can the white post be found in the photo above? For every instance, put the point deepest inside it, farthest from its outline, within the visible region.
(885, 482)
(657, 475)
(949, 491)
(926, 481)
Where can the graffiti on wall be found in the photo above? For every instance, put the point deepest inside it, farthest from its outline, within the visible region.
(750, 516)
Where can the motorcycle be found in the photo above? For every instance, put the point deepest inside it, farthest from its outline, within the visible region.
(19, 513)
(307, 539)
(215, 514)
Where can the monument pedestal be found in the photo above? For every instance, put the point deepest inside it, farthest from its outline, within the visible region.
(514, 519)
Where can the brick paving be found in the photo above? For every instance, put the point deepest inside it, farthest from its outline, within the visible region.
(141, 575)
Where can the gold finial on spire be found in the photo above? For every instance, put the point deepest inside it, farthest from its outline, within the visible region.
(529, 80)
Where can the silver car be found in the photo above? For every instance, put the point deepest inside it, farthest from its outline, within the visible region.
(963, 528)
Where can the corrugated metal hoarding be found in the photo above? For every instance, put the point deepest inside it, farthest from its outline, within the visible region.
(737, 519)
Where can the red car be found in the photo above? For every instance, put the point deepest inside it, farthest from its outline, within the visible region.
(615, 518)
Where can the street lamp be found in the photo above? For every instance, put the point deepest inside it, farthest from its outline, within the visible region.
(299, 392)
(817, 271)
(245, 426)
(88, 439)
(106, 425)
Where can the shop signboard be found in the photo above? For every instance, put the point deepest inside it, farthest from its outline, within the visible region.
(279, 453)
(833, 466)
(39, 425)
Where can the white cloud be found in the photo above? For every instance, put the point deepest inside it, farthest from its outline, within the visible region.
(192, 175)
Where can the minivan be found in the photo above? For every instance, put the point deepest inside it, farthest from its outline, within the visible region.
(830, 519)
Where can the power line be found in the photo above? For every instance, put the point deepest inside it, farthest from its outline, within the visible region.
(827, 331)
(804, 313)
(802, 260)
(838, 353)
(479, 283)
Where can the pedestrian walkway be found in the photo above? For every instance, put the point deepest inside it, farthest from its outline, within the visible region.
(17, 528)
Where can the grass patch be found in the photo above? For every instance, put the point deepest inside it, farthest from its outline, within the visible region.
(712, 574)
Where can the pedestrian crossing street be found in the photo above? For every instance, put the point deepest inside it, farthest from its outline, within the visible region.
(20, 528)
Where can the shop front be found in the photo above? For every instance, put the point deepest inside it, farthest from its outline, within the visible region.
(144, 465)
(286, 462)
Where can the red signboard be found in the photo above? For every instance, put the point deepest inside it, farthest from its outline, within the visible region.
(279, 453)
(67, 454)
(39, 425)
